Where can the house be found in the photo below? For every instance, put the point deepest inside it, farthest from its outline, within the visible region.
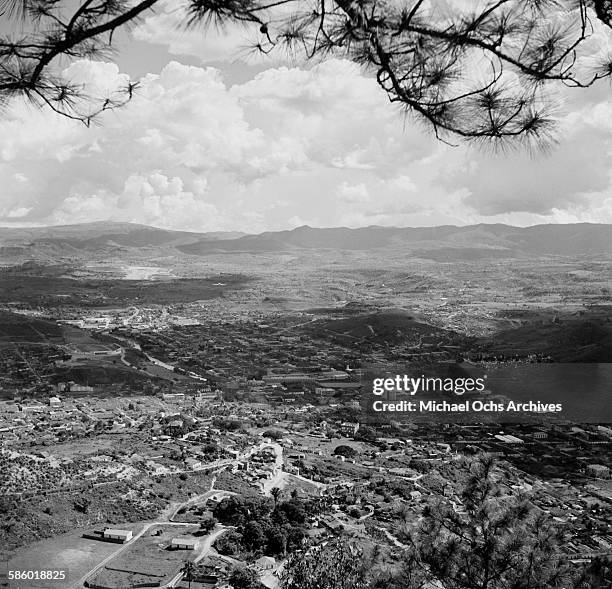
(116, 535)
(598, 471)
(183, 543)
(193, 464)
(349, 428)
(173, 397)
(266, 563)
(331, 524)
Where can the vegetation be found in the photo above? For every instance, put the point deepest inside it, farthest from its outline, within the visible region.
(498, 542)
(346, 451)
(244, 578)
(476, 73)
(188, 570)
(338, 565)
(262, 527)
(207, 524)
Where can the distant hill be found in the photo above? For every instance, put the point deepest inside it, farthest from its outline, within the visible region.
(108, 230)
(384, 326)
(444, 243)
(570, 337)
(42, 243)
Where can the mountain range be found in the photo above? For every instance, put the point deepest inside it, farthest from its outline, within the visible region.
(444, 242)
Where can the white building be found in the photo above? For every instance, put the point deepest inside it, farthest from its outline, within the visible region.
(118, 535)
(181, 543)
(349, 428)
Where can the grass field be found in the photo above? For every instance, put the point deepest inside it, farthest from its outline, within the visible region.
(62, 291)
(68, 551)
(18, 328)
(147, 560)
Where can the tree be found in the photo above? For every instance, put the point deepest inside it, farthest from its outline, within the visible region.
(207, 524)
(500, 542)
(477, 73)
(338, 565)
(276, 493)
(597, 574)
(237, 511)
(277, 540)
(244, 578)
(229, 544)
(366, 434)
(254, 536)
(346, 451)
(188, 571)
(293, 511)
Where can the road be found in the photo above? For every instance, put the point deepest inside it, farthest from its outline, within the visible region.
(79, 584)
(200, 499)
(277, 474)
(205, 548)
(156, 361)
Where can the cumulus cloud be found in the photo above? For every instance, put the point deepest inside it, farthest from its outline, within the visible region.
(353, 193)
(168, 26)
(567, 177)
(192, 151)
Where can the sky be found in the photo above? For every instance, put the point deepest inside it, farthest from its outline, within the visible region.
(217, 141)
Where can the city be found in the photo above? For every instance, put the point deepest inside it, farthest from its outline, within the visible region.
(137, 439)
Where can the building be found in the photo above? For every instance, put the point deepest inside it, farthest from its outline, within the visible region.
(508, 439)
(182, 543)
(79, 388)
(95, 323)
(293, 377)
(266, 563)
(54, 402)
(349, 428)
(334, 375)
(116, 535)
(599, 471)
(177, 397)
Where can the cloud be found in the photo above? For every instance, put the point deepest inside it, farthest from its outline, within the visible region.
(18, 212)
(567, 177)
(230, 42)
(323, 144)
(154, 199)
(189, 151)
(353, 193)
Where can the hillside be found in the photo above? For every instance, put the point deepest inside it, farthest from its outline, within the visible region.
(565, 338)
(389, 326)
(445, 243)
(85, 240)
(18, 328)
(472, 242)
